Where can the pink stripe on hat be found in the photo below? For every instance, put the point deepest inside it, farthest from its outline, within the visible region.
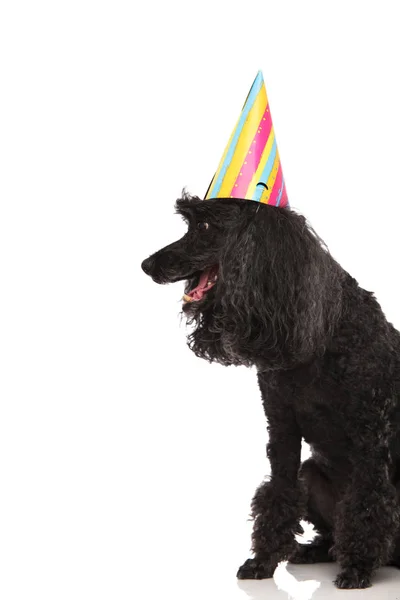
(252, 161)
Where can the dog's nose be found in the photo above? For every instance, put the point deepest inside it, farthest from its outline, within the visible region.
(147, 265)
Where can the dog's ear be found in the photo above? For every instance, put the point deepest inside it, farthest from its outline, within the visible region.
(279, 285)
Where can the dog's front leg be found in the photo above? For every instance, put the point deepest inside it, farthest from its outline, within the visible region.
(367, 517)
(277, 504)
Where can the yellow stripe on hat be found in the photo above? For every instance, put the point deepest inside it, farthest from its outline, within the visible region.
(271, 180)
(222, 161)
(243, 146)
(247, 133)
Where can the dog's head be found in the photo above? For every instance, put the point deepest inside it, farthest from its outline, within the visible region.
(260, 285)
(198, 255)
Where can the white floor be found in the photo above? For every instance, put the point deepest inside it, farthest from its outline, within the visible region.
(303, 582)
(294, 582)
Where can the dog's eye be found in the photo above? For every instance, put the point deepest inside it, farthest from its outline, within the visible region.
(203, 225)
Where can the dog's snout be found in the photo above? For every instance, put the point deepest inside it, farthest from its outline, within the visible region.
(165, 266)
(147, 265)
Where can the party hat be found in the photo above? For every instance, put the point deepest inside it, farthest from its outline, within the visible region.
(250, 167)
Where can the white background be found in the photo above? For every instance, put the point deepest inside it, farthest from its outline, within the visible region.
(127, 465)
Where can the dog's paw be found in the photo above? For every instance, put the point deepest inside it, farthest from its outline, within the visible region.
(353, 579)
(255, 569)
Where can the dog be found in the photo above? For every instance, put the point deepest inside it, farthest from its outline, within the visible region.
(263, 290)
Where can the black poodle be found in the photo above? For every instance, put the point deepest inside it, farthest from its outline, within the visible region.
(263, 290)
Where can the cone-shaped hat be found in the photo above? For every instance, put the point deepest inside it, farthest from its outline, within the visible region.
(250, 167)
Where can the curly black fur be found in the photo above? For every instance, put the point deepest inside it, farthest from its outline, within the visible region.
(328, 367)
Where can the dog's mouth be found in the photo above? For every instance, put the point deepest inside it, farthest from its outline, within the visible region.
(207, 280)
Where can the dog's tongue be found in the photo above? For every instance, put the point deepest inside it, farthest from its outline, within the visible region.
(205, 284)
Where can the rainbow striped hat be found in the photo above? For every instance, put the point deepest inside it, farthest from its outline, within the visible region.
(250, 167)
